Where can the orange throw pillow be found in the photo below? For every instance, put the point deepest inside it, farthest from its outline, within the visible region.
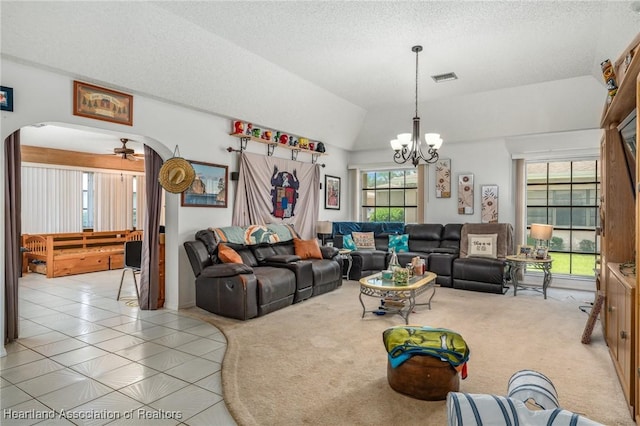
(228, 255)
(307, 249)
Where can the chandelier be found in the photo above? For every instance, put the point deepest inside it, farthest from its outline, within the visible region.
(408, 146)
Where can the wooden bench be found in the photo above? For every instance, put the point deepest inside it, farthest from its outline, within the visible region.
(75, 253)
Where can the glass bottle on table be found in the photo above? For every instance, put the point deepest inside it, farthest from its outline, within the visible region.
(393, 262)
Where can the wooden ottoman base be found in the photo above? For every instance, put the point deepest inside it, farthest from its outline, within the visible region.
(424, 377)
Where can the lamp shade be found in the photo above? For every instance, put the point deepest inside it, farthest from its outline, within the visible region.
(324, 227)
(396, 145)
(541, 231)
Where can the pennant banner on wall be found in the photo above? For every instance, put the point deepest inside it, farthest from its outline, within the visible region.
(276, 190)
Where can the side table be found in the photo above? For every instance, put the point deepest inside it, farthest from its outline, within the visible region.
(345, 254)
(519, 263)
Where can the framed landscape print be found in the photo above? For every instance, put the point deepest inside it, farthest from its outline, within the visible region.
(209, 188)
(331, 192)
(102, 104)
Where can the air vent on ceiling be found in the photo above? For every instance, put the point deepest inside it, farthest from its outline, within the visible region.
(444, 77)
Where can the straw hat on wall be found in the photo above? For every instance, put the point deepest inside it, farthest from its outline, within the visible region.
(176, 175)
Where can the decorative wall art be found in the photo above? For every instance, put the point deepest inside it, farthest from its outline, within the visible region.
(209, 188)
(465, 193)
(489, 212)
(6, 98)
(331, 192)
(443, 179)
(102, 104)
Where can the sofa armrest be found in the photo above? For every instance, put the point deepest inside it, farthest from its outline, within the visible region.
(282, 258)
(329, 252)
(226, 270)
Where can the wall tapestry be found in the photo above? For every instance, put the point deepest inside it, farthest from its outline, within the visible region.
(489, 212)
(443, 179)
(465, 193)
(276, 190)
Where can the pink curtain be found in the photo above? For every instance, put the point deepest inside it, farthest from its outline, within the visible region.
(275, 190)
(12, 230)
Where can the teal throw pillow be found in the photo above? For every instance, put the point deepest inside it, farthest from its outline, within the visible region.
(399, 243)
(348, 243)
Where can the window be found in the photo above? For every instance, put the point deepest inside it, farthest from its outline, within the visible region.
(87, 200)
(390, 196)
(566, 195)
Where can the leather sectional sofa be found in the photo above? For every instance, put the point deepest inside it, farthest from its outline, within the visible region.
(269, 278)
(440, 246)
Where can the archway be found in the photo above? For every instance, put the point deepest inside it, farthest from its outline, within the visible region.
(109, 139)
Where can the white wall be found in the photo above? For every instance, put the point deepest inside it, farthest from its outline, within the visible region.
(45, 96)
(488, 160)
(555, 106)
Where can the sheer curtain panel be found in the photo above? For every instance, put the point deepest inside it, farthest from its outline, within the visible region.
(113, 198)
(52, 200)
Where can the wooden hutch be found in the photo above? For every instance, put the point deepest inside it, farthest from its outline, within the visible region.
(619, 232)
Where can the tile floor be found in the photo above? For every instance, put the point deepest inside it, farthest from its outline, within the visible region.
(83, 352)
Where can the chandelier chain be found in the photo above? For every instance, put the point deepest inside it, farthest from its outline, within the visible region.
(417, 51)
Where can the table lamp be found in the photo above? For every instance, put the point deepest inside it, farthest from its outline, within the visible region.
(541, 232)
(324, 228)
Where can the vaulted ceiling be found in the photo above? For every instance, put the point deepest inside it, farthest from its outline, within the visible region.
(359, 53)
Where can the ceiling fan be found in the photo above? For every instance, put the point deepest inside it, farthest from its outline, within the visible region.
(126, 153)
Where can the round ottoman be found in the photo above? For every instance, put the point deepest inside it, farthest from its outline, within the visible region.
(424, 377)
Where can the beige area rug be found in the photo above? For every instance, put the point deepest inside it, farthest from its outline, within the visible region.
(319, 363)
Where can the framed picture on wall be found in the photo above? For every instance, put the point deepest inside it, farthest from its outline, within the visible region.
(209, 187)
(6, 98)
(331, 192)
(103, 104)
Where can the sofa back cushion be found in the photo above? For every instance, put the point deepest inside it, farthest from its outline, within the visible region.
(263, 252)
(424, 237)
(451, 236)
(284, 248)
(504, 242)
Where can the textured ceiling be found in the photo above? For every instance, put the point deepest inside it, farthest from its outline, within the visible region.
(361, 51)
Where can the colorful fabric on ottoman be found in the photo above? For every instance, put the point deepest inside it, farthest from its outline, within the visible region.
(399, 243)
(402, 342)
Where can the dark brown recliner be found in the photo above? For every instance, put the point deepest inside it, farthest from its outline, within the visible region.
(481, 273)
(270, 277)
